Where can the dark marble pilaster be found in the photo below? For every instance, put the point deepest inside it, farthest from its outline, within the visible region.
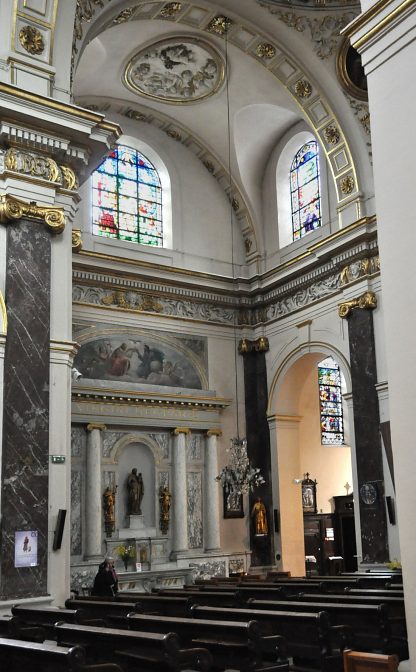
(24, 469)
(258, 442)
(367, 436)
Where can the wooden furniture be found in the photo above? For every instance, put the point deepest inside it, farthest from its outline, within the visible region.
(358, 661)
(233, 644)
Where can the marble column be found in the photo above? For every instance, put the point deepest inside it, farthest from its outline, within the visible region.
(93, 496)
(179, 498)
(211, 501)
(368, 450)
(258, 439)
(3, 334)
(25, 453)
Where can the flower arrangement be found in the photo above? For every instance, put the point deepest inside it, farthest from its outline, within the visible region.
(394, 564)
(126, 553)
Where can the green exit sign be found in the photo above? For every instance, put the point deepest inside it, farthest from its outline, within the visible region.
(57, 459)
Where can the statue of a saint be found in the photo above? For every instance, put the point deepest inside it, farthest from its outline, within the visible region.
(109, 497)
(135, 490)
(260, 518)
(165, 499)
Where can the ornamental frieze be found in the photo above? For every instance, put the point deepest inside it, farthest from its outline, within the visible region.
(37, 165)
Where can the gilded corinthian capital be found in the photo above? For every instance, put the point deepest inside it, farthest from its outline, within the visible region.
(13, 208)
(367, 301)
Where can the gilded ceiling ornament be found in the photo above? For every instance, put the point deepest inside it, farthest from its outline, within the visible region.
(13, 208)
(347, 184)
(124, 16)
(303, 88)
(367, 301)
(235, 204)
(332, 135)
(259, 345)
(219, 25)
(76, 240)
(170, 9)
(69, 178)
(136, 115)
(176, 70)
(324, 32)
(175, 135)
(31, 39)
(265, 50)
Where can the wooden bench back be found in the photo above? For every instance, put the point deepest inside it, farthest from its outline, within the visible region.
(359, 661)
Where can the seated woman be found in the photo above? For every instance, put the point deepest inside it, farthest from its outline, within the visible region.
(106, 582)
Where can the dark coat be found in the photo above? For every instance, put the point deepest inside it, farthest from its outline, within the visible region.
(105, 582)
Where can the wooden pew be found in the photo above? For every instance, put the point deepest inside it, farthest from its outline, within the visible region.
(395, 605)
(235, 644)
(219, 598)
(370, 624)
(103, 610)
(377, 592)
(146, 650)
(18, 655)
(357, 661)
(308, 635)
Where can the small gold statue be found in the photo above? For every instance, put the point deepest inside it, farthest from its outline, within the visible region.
(109, 498)
(260, 518)
(165, 498)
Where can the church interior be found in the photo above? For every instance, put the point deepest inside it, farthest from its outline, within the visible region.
(206, 342)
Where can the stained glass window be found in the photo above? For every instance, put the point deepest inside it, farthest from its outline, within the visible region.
(332, 422)
(304, 190)
(127, 198)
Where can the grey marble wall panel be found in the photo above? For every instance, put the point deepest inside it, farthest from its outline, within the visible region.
(26, 407)
(163, 480)
(76, 519)
(162, 440)
(194, 496)
(78, 441)
(206, 570)
(109, 440)
(194, 448)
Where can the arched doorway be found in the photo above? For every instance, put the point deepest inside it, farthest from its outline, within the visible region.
(301, 451)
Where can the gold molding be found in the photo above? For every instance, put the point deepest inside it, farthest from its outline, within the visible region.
(12, 208)
(367, 301)
(371, 14)
(181, 430)
(214, 432)
(96, 425)
(3, 315)
(259, 345)
(76, 240)
(342, 73)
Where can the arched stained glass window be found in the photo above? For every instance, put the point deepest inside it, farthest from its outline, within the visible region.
(330, 399)
(304, 190)
(127, 198)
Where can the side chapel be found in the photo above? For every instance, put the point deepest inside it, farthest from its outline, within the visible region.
(206, 235)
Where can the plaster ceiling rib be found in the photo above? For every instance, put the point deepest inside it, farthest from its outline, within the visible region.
(178, 132)
(311, 101)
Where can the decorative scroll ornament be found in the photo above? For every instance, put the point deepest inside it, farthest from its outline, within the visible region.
(359, 269)
(265, 50)
(76, 240)
(303, 88)
(347, 184)
(13, 208)
(332, 135)
(31, 40)
(170, 9)
(367, 301)
(36, 165)
(124, 15)
(259, 345)
(239, 477)
(146, 303)
(219, 25)
(175, 135)
(136, 115)
(69, 178)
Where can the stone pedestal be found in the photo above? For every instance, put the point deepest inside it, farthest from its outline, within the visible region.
(136, 522)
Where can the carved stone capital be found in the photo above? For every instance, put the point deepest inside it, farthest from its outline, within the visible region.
(367, 301)
(214, 432)
(96, 425)
(13, 208)
(259, 345)
(181, 430)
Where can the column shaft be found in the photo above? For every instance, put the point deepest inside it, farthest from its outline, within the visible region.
(179, 502)
(211, 503)
(93, 493)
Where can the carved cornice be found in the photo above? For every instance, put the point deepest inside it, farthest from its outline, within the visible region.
(259, 345)
(12, 209)
(367, 301)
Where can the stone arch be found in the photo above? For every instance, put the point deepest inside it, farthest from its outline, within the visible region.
(138, 437)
